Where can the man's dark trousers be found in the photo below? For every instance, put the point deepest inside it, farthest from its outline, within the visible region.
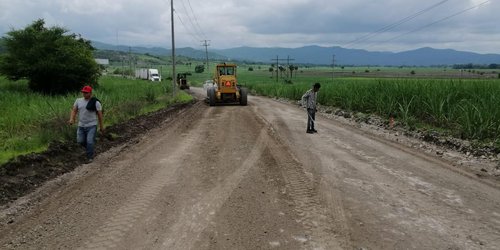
(311, 117)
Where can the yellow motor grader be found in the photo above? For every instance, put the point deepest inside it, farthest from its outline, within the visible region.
(225, 87)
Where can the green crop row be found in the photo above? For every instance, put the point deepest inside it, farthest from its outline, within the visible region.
(30, 121)
(470, 109)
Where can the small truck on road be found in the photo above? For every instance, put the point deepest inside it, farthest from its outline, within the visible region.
(148, 74)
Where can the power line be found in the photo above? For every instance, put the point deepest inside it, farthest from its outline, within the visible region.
(196, 20)
(440, 20)
(174, 12)
(188, 29)
(195, 39)
(190, 19)
(393, 25)
(427, 25)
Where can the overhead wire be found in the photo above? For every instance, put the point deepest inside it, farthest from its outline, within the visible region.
(196, 20)
(427, 25)
(190, 19)
(440, 20)
(192, 35)
(393, 25)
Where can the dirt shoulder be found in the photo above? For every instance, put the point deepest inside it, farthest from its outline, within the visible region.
(481, 160)
(25, 173)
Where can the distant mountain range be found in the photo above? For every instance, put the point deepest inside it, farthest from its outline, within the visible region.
(324, 55)
(157, 51)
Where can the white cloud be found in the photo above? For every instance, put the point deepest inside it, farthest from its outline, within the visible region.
(91, 7)
(263, 23)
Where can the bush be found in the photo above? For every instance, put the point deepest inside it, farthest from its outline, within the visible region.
(250, 69)
(150, 95)
(126, 71)
(2, 46)
(199, 68)
(52, 61)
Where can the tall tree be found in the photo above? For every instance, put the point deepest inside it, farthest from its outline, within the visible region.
(2, 46)
(50, 59)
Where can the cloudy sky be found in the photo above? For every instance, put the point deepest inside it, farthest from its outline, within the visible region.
(401, 24)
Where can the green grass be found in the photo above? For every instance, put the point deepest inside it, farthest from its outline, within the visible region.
(30, 121)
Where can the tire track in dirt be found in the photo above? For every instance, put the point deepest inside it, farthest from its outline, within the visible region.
(402, 192)
(68, 204)
(191, 223)
(113, 230)
(250, 178)
(325, 225)
(314, 216)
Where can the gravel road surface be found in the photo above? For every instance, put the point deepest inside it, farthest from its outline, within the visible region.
(233, 177)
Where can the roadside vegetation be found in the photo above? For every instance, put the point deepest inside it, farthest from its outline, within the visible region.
(43, 69)
(51, 60)
(30, 121)
(467, 109)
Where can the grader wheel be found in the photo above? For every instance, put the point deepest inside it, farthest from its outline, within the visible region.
(211, 96)
(243, 97)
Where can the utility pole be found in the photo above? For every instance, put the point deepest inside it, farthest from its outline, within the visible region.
(287, 66)
(174, 77)
(288, 59)
(278, 64)
(333, 66)
(277, 67)
(130, 60)
(205, 43)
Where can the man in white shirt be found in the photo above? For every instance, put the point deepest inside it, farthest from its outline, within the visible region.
(89, 112)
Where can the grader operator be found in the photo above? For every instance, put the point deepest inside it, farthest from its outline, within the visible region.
(225, 88)
(182, 81)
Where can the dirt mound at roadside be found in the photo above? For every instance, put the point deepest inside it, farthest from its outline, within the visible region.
(23, 174)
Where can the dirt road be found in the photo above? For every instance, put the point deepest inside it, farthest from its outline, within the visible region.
(234, 177)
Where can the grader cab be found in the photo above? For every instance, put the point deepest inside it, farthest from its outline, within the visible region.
(182, 81)
(225, 88)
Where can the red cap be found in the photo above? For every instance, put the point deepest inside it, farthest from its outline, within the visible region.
(87, 89)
